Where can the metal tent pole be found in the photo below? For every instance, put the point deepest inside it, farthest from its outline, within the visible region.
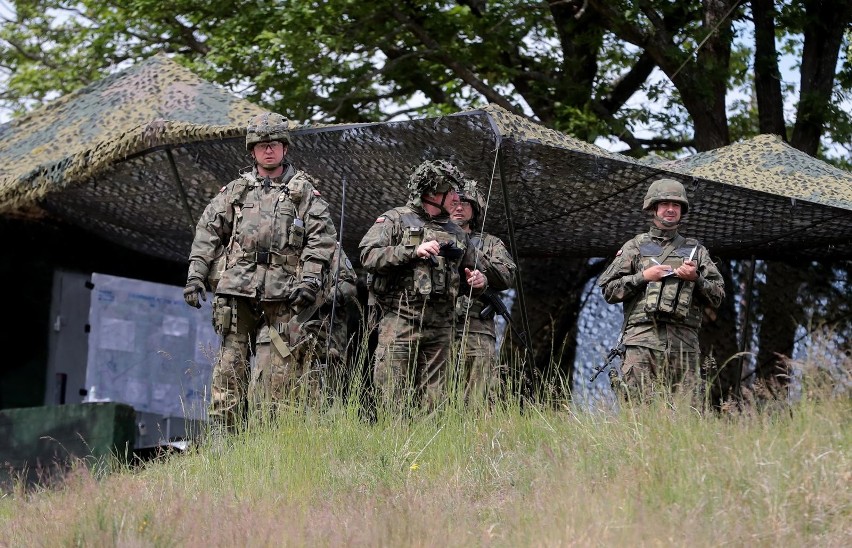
(513, 246)
(181, 190)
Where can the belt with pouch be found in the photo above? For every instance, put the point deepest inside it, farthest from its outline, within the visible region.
(268, 258)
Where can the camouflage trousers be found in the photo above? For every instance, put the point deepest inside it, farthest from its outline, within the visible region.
(479, 371)
(411, 361)
(647, 372)
(244, 323)
(335, 373)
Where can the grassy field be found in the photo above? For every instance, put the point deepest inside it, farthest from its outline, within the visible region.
(660, 474)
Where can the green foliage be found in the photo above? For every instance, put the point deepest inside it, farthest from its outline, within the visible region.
(563, 63)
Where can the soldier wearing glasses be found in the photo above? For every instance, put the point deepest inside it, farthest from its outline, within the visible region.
(268, 238)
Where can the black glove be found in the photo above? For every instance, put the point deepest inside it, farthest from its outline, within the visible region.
(304, 294)
(193, 288)
(338, 297)
(451, 251)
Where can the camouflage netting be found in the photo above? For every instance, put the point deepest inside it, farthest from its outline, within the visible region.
(768, 164)
(105, 162)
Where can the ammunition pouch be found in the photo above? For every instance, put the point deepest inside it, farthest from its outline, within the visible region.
(224, 316)
(684, 300)
(671, 297)
(296, 237)
(668, 295)
(652, 297)
(422, 279)
(379, 284)
(429, 277)
(475, 308)
(671, 300)
(439, 276)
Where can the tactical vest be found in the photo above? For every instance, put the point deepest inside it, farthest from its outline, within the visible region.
(436, 278)
(285, 248)
(671, 299)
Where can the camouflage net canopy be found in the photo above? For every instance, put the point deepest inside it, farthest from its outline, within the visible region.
(137, 156)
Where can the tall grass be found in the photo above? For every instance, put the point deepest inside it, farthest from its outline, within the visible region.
(658, 474)
(655, 474)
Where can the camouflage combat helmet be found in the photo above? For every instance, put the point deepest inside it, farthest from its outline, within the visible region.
(433, 176)
(266, 127)
(666, 190)
(470, 194)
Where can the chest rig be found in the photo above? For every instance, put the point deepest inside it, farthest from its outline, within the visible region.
(436, 278)
(671, 299)
(268, 227)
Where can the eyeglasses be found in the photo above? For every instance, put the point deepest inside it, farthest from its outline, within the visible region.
(269, 145)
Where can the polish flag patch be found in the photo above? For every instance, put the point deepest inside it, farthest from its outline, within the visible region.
(317, 192)
(619, 253)
(380, 220)
(223, 188)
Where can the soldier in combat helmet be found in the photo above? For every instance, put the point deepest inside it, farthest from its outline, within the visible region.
(664, 281)
(476, 334)
(418, 261)
(270, 237)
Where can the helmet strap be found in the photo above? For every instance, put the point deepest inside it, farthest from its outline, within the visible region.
(440, 206)
(665, 223)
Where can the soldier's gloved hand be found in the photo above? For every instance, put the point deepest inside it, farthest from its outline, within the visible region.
(338, 297)
(304, 294)
(451, 251)
(193, 289)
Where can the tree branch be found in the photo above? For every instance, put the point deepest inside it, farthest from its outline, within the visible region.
(26, 54)
(463, 72)
(188, 35)
(671, 145)
(628, 84)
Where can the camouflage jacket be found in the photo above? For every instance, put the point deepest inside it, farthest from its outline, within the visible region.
(346, 282)
(501, 275)
(273, 232)
(671, 301)
(417, 289)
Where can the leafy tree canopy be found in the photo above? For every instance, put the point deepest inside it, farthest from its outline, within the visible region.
(573, 65)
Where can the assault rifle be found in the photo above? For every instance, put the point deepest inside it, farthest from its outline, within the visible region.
(616, 351)
(494, 305)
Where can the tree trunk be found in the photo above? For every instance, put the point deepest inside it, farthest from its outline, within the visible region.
(782, 315)
(703, 85)
(823, 33)
(825, 23)
(767, 78)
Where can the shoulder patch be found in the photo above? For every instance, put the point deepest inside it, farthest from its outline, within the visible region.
(223, 188)
(317, 192)
(381, 219)
(618, 254)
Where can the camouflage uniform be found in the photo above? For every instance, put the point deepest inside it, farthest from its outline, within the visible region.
(277, 237)
(415, 296)
(476, 336)
(346, 292)
(662, 318)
